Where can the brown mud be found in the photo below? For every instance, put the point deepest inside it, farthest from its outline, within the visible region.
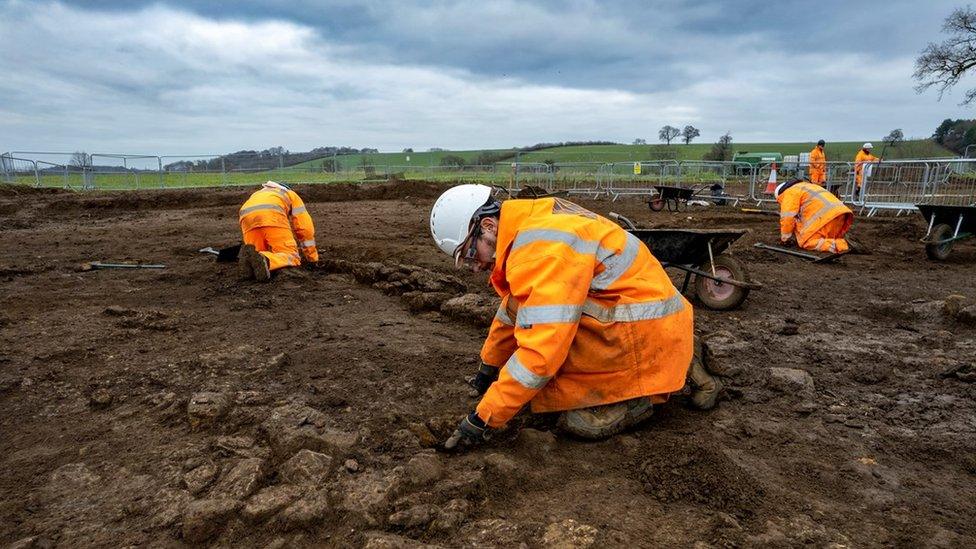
(181, 407)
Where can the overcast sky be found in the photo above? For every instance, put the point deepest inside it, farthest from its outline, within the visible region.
(185, 77)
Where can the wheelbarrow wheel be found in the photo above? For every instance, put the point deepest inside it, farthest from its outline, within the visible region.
(939, 252)
(656, 203)
(718, 295)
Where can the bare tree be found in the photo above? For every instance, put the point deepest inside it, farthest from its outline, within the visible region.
(894, 139)
(640, 141)
(943, 65)
(689, 133)
(721, 150)
(668, 133)
(79, 159)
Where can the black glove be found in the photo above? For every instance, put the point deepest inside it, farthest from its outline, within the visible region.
(484, 378)
(471, 432)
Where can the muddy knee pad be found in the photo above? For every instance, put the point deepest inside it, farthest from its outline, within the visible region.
(599, 422)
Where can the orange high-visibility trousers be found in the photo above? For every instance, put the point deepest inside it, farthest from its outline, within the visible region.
(275, 243)
(830, 237)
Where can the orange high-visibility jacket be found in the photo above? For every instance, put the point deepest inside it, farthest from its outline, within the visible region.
(588, 315)
(276, 206)
(805, 208)
(818, 165)
(859, 161)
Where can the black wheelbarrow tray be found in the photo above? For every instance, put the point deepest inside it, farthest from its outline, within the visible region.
(947, 225)
(721, 281)
(670, 196)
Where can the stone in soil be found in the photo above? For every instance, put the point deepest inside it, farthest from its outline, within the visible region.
(200, 478)
(307, 468)
(423, 469)
(206, 408)
(414, 517)
(790, 380)
(493, 533)
(366, 498)
(243, 479)
(269, 501)
(204, 519)
(294, 427)
(569, 534)
(384, 540)
(306, 512)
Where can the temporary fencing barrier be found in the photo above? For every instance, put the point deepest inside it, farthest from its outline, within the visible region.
(889, 185)
(892, 185)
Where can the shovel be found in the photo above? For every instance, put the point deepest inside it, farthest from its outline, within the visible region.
(224, 255)
(809, 257)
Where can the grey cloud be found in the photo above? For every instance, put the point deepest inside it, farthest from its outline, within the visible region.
(245, 75)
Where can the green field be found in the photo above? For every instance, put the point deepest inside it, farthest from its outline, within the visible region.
(590, 164)
(841, 151)
(419, 159)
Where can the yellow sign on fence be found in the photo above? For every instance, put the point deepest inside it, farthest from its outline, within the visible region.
(637, 168)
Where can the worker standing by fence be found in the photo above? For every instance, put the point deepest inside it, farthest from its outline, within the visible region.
(818, 164)
(863, 156)
(274, 223)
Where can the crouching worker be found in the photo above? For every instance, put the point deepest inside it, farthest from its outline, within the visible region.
(590, 325)
(816, 218)
(275, 225)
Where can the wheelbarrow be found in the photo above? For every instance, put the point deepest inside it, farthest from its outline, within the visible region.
(721, 281)
(947, 225)
(672, 197)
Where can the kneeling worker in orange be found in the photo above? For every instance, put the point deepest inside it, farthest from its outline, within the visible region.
(590, 325)
(815, 217)
(275, 225)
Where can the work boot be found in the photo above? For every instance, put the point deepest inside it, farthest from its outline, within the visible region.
(705, 386)
(257, 263)
(599, 422)
(244, 270)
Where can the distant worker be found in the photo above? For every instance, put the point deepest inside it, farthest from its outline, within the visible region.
(275, 224)
(590, 325)
(816, 218)
(818, 164)
(863, 156)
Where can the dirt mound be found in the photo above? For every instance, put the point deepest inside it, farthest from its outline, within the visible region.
(689, 472)
(24, 190)
(165, 199)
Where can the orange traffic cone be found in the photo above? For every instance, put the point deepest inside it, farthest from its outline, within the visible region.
(771, 184)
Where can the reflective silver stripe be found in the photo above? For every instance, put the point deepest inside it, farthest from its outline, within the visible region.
(526, 377)
(295, 257)
(585, 247)
(545, 314)
(833, 246)
(616, 265)
(783, 215)
(820, 243)
(633, 312)
(308, 243)
(825, 206)
(250, 209)
(502, 315)
(298, 211)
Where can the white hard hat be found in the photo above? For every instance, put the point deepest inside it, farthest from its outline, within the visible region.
(451, 215)
(868, 146)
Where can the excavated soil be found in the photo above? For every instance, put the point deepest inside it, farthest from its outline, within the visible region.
(181, 407)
